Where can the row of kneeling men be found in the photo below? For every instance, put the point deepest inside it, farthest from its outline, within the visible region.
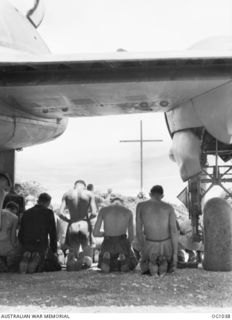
(33, 246)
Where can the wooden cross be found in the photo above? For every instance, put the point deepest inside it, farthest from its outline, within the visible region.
(141, 141)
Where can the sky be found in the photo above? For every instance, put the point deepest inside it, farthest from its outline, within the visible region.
(90, 148)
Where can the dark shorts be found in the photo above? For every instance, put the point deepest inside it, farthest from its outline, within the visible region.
(41, 249)
(10, 262)
(34, 249)
(116, 246)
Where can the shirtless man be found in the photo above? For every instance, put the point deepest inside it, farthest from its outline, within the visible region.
(9, 251)
(5, 185)
(157, 234)
(116, 251)
(8, 226)
(78, 201)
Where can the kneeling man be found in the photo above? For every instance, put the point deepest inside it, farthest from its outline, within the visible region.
(157, 234)
(116, 251)
(9, 251)
(8, 224)
(82, 208)
(37, 226)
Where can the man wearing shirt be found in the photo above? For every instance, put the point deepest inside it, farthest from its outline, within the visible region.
(36, 225)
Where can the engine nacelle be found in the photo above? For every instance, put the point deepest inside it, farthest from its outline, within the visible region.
(16, 133)
(212, 112)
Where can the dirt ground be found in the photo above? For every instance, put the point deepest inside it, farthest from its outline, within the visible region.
(90, 289)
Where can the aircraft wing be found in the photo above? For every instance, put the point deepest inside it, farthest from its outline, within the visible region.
(91, 85)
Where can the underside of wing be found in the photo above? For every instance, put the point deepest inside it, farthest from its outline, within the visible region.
(75, 86)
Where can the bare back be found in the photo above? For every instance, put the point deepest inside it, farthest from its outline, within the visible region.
(8, 232)
(155, 217)
(77, 202)
(116, 220)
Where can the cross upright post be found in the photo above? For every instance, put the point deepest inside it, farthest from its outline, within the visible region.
(141, 141)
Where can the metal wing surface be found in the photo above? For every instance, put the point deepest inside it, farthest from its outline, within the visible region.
(55, 86)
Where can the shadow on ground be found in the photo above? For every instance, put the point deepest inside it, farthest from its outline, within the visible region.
(188, 287)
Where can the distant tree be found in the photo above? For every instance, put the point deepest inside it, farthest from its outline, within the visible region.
(31, 188)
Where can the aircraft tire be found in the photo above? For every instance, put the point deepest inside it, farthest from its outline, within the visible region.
(217, 235)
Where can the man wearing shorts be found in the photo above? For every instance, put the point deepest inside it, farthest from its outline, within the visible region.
(157, 234)
(116, 252)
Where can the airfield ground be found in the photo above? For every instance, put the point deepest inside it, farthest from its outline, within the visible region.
(92, 291)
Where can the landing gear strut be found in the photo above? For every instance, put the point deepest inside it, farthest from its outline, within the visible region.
(211, 175)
